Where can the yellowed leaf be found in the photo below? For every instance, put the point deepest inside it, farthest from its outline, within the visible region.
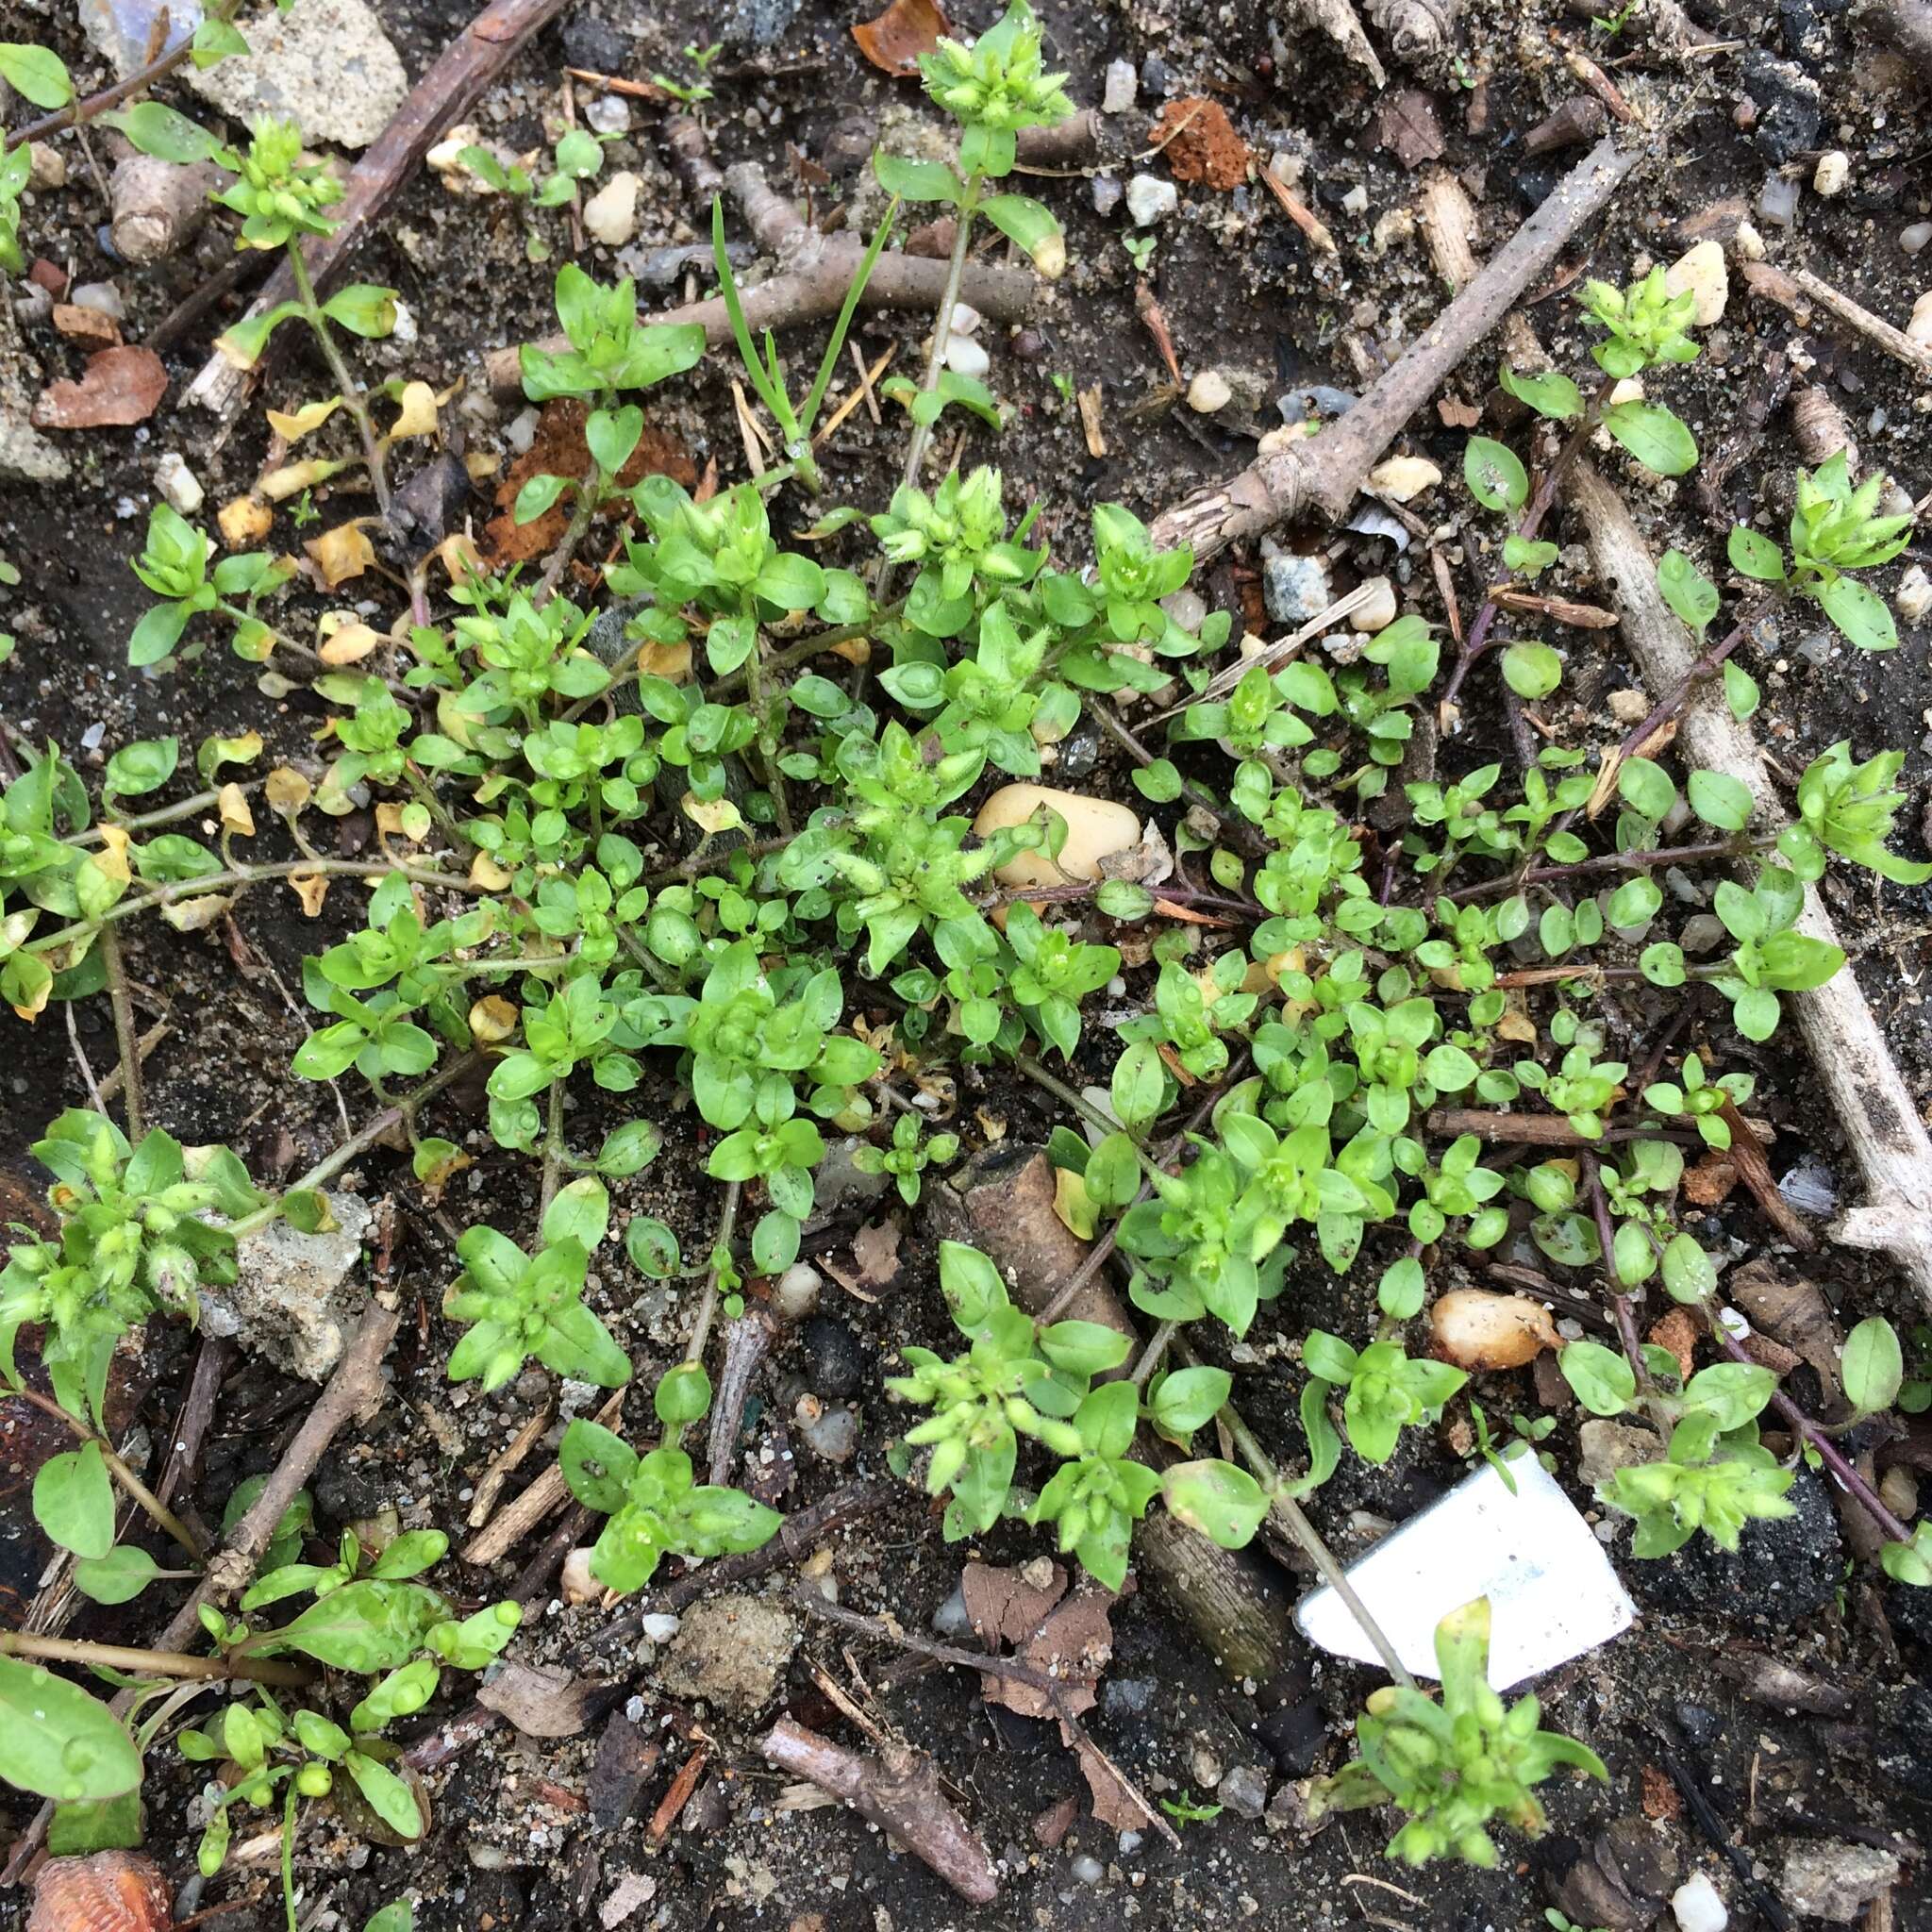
(292, 426)
(710, 815)
(291, 480)
(192, 915)
(287, 790)
(1516, 1024)
(492, 1019)
(113, 857)
(1074, 1204)
(460, 557)
(233, 805)
(341, 554)
(481, 465)
(245, 521)
(311, 888)
(417, 404)
(350, 645)
(672, 662)
(485, 872)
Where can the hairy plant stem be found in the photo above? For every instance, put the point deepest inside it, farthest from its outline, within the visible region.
(589, 493)
(160, 1663)
(1294, 1520)
(553, 1148)
(942, 325)
(126, 1035)
(353, 398)
(1829, 1452)
(1476, 639)
(707, 1303)
(1621, 1307)
(138, 1491)
(400, 1114)
(1614, 862)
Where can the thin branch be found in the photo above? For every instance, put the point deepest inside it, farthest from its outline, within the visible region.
(138, 1491)
(126, 1037)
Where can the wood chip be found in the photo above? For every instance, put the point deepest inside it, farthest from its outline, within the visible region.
(85, 325)
(1088, 400)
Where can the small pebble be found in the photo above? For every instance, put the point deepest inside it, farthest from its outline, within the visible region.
(1919, 328)
(104, 298)
(1913, 240)
(1376, 611)
(1294, 588)
(520, 432)
(610, 215)
(1777, 201)
(798, 1291)
(1355, 202)
(1808, 1187)
(1914, 595)
(579, 1586)
(950, 1618)
(1833, 171)
(1243, 1791)
(966, 319)
(1402, 478)
(1628, 706)
(1120, 88)
(177, 482)
(964, 356)
(1209, 391)
(1317, 400)
(46, 166)
(1150, 199)
(1697, 1908)
(1186, 608)
(831, 1430)
(660, 1626)
(609, 114)
(1701, 272)
(1089, 1870)
(1105, 189)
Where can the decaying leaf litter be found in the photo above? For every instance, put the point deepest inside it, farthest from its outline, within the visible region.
(1243, 301)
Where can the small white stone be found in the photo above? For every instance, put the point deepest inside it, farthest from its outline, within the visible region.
(1913, 240)
(1150, 199)
(579, 1586)
(1355, 202)
(1403, 478)
(1833, 171)
(610, 215)
(46, 166)
(1378, 609)
(1120, 88)
(609, 114)
(104, 298)
(1096, 828)
(798, 1292)
(964, 356)
(177, 482)
(1748, 243)
(1087, 1869)
(1629, 706)
(1919, 328)
(1777, 200)
(660, 1626)
(966, 319)
(1209, 391)
(402, 331)
(520, 432)
(1914, 595)
(1701, 272)
(1697, 1908)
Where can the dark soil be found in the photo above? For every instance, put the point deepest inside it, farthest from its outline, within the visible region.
(514, 1842)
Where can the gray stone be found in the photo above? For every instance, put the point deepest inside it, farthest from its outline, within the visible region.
(839, 1187)
(1294, 588)
(1244, 1791)
(326, 64)
(732, 1652)
(1150, 199)
(1605, 1447)
(1829, 1879)
(293, 1298)
(1120, 86)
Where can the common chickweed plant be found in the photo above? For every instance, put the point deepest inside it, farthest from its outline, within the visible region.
(758, 885)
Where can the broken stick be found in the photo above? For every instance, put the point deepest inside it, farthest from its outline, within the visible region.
(898, 1792)
(814, 273)
(1882, 1127)
(461, 72)
(1322, 473)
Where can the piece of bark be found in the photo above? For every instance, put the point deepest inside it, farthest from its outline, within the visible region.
(898, 1792)
(1881, 1125)
(1322, 473)
(118, 387)
(469, 64)
(158, 206)
(815, 272)
(1339, 21)
(1235, 1601)
(1416, 29)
